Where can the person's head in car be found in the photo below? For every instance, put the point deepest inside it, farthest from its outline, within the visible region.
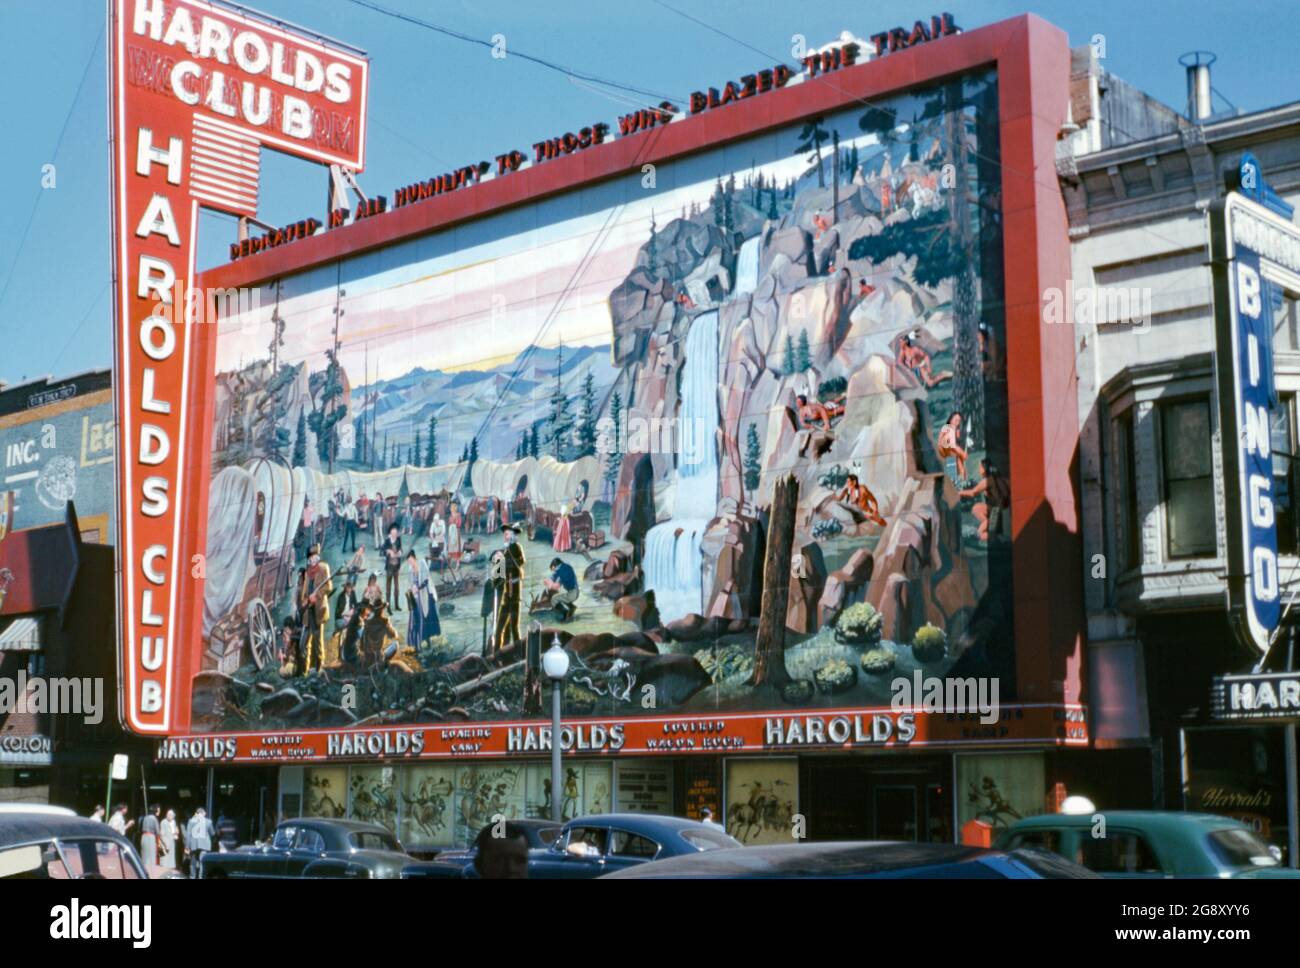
(501, 852)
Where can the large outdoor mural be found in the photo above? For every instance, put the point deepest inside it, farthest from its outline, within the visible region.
(595, 415)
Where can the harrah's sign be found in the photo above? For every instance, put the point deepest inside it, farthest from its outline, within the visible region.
(195, 91)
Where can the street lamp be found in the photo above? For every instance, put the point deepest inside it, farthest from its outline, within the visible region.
(555, 663)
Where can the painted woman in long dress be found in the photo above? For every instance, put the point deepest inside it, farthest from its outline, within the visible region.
(423, 623)
(563, 541)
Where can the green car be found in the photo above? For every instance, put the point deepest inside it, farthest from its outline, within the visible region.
(1150, 843)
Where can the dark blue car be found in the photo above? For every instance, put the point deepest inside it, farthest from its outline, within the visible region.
(596, 845)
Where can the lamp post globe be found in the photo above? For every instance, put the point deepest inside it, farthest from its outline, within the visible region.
(555, 663)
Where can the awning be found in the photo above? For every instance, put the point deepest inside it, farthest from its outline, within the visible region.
(22, 634)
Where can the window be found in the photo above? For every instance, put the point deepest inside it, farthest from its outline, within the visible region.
(1188, 478)
(1282, 439)
(369, 840)
(1038, 839)
(284, 838)
(708, 840)
(1118, 853)
(589, 841)
(310, 841)
(624, 844)
(71, 860)
(1130, 523)
(1241, 848)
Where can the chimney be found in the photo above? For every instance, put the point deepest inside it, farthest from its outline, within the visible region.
(1198, 64)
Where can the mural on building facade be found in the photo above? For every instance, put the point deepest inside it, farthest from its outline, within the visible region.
(579, 417)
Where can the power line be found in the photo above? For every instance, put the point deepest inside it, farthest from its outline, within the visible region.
(4, 291)
(550, 65)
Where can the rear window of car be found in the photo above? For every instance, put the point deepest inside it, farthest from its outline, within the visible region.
(709, 839)
(548, 835)
(369, 840)
(624, 844)
(1119, 852)
(1038, 839)
(1240, 848)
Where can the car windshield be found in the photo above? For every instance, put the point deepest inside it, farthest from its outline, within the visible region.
(1235, 847)
(709, 839)
(372, 840)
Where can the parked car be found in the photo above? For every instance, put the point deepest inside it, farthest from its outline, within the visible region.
(598, 844)
(540, 834)
(862, 860)
(601, 843)
(51, 844)
(314, 847)
(1151, 843)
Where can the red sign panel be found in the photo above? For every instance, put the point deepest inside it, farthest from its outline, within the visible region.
(196, 90)
(770, 732)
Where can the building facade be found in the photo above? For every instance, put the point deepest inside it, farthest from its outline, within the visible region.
(1151, 480)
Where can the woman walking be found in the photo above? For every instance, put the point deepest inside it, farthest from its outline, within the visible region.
(167, 841)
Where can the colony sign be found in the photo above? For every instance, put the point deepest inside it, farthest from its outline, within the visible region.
(1253, 248)
(196, 90)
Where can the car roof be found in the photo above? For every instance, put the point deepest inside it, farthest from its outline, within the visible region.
(45, 808)
(1149, 819)
(810, 859)
(25, 828)
(351, 826)
(634, 819)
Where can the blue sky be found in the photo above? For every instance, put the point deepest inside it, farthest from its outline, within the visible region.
(437, 102)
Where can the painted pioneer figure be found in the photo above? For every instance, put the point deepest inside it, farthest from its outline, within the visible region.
(315, 609)
(392, 550)
(562, 587)
(507, 575)
(423, 599)
(812, 412)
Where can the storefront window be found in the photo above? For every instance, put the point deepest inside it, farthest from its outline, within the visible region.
(645, 786)
(585, 790)
(427, 803)
(1000, 789)
(1188, 478)
(1132, 526)
(762, 800)
(484, 793)
(325, 791)
(373, 795)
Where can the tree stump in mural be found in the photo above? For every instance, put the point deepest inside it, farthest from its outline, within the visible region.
(769, 646)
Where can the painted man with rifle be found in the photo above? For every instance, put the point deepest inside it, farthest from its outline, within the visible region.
(315, 607)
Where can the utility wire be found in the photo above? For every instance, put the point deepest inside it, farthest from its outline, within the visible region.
(543, 62)
(40, 193)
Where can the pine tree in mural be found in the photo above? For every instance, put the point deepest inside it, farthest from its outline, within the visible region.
(753, 460)
(561, 418)
(811, 139)
(431, 451)
(587, 418)
(790, 360)
(300, 441)
(614, 453)
(715, 201)
(803, 357)
(652, 250)
(324, 420)
(535, 447)
(416, 450)
(472, 455)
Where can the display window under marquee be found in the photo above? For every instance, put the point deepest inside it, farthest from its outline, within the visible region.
(762, 800)
(625, 374)
(1000, 788)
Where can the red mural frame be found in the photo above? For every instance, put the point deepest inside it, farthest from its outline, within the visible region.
(1031, 58)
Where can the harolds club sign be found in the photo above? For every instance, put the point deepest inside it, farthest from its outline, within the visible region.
(770, 732)
(196, 90)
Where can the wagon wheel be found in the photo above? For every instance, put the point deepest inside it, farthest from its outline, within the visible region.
(261, 633)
